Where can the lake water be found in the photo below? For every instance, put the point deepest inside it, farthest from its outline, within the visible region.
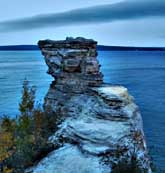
(143, 73)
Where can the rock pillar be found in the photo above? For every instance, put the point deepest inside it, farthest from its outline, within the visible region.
(73, 63)
(102, 130)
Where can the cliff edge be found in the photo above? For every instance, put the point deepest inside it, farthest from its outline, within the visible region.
(102, 130)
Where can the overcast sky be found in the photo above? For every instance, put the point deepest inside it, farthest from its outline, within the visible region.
(110, 22)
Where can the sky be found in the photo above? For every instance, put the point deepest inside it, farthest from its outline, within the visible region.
(110, 22)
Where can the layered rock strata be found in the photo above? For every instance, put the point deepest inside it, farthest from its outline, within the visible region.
(72, 63)
(102, 126)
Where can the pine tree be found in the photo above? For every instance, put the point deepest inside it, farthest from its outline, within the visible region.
(28, 99)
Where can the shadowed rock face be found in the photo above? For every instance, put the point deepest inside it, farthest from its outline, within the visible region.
(102, 125)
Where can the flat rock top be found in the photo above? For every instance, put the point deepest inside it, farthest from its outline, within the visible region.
(113, 92)
(68, 41)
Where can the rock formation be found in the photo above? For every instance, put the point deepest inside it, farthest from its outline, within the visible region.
(102, 126)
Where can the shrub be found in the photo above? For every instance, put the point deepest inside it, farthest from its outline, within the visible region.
(125, 166)
(23, 140)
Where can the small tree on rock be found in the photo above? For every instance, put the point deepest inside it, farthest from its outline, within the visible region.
(28, 99)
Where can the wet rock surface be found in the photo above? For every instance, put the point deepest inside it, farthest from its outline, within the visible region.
(101, 126)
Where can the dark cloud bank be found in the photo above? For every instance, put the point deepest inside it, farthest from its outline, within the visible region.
(126, 10)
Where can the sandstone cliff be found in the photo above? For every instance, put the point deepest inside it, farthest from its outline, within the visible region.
(102, 126)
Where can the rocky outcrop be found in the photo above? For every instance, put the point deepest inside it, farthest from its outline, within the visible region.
(102, 126)
(72, 63)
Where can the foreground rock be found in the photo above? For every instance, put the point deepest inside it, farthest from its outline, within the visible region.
(102, 126)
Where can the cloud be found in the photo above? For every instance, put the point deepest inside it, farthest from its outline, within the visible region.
(125, 10)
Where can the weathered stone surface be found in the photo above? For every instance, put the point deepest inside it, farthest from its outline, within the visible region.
(72, 65)
(69, 159)
(70, 43)
(101, 126)
(72, 62)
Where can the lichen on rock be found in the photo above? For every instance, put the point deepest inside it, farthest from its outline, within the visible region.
(102, 126)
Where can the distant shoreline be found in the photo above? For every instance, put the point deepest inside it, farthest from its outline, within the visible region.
(128, 48)
(99, 48)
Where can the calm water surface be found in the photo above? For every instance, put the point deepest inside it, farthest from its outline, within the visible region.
(143, 73)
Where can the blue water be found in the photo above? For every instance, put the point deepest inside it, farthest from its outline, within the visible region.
(15, 66)
(143, 73)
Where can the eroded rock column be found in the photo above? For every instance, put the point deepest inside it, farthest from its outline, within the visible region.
(72, 63)
(102, 126)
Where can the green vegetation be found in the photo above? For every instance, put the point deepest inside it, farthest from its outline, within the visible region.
(127, 167)
(23, 140)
